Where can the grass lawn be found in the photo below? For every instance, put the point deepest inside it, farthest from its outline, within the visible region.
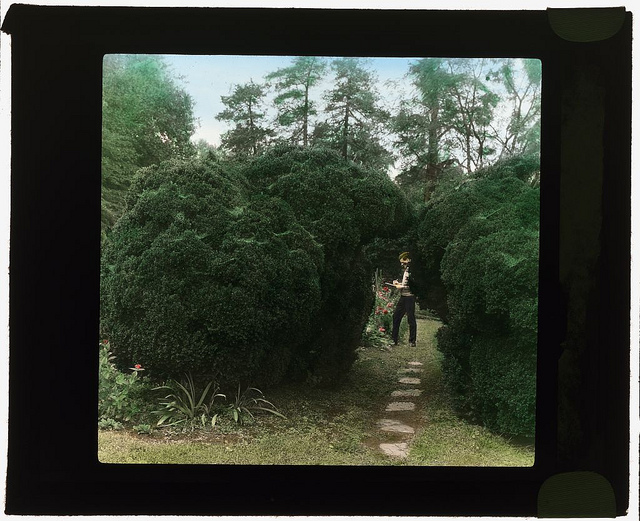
(335, 426)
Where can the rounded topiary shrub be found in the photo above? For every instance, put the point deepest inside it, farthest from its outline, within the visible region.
(345, 207)
(478, 244)
(196, 277)
(249, 272)
(455, 344)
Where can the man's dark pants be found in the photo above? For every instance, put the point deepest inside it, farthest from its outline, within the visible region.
(405, 305)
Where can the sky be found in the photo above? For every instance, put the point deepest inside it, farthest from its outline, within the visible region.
(207, 78)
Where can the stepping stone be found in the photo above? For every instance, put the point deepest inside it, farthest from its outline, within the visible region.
(401, 406)
(410, 370)
(397, 450)
(395, 426)
(412, 381)
(415, 363)
(407, 392)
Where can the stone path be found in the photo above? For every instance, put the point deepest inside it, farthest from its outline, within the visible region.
(394, 423)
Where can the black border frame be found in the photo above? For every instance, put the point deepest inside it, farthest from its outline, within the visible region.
(55, 246)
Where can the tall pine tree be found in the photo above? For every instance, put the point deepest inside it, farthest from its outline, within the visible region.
(293, 101)
(355, 119)
(474, 106)
(244, 110)
(423, 125)
(521, 81)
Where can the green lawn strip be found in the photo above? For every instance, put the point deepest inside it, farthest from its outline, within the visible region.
(270, 449)
(456, 443)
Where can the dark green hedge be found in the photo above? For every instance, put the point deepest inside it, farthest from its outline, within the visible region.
(249, 272)
(345, 208)
(478, 244)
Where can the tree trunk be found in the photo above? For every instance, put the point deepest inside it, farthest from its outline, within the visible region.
(253, 145)
(305, 129)
(432, 153)
(345, 131)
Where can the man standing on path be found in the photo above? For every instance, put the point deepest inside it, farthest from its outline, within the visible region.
(406, 304)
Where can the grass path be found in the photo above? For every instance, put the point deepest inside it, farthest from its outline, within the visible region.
(335, 426)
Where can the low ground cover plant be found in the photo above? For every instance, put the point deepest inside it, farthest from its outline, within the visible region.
(186, 406)
(246, 403)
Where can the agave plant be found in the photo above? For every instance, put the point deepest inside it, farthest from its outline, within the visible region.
(183, 405)
(249, 401)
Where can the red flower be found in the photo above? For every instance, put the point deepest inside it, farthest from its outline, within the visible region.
(385, 288)
(105, 341)
(386, 311)
(390, 305)
(382, 330)
(138, 366)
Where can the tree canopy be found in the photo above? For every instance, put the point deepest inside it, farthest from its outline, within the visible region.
(354, 117)
(294, 103)
(244, 108)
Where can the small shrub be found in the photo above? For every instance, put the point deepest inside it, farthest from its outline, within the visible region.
(110, 424)
(143, 428)
(372, 337)
(121, 396)
(380, 322)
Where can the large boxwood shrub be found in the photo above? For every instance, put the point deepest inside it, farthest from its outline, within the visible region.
(477, 242)
(249, 272)
(345, 208)
(197, 277)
